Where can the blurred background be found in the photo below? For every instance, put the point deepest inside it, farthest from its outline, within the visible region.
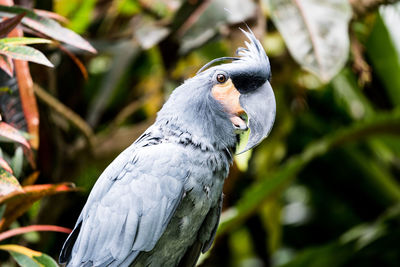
(322, 190)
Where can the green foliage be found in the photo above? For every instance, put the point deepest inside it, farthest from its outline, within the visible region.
(321, 190)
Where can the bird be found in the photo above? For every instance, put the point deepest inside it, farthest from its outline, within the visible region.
(159, 202)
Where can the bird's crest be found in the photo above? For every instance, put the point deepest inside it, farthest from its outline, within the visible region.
(253, 53)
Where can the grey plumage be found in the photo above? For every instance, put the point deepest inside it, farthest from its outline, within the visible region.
(159, 202)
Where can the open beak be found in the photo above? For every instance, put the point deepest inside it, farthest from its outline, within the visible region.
(260, 108)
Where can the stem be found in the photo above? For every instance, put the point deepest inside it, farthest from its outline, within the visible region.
(32, 228)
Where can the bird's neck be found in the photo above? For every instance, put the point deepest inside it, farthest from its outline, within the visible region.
(204, 140)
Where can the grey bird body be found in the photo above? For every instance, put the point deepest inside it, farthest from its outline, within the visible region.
(159, 202)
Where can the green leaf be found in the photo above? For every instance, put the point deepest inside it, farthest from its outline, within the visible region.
(257, 194)
(383, 48)
(2, 210)
(24, 41)
(24, 260)
(332, 255)
(17, 161)
(8, 183)
(29, 258)
(46, 260)
(47, 26)
(24, 53)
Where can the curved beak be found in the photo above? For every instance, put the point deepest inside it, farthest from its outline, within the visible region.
(260, 108)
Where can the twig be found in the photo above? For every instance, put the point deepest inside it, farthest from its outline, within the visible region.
(128, 111)
(66, 112)
(360, 66)
(194, 16)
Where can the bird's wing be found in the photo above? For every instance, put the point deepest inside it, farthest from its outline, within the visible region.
(205, 237)
(129, 207)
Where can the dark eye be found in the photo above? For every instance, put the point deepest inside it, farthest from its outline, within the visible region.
(221, 78)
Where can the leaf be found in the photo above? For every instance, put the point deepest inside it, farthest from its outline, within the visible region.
(48, 27)
(29, 104)
(24, 41)
(258, 193)
(19, 202)
(2, 210)
(51, 15)
(5, 166)
(8, 183)
(24, 53)
(331, 254)
(13, 134)
(27, 257)
(8, 25)
(315, 32)
(383, 48)
(7, 65)
(24, 260)
(31, 179)
(17, 161)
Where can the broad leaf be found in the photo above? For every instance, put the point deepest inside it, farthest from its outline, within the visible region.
(24, 53)
(18, 202)
(315, 32)
(27, 257)
(8, 25)
(47, 26)
(383, 48)
(8, 183)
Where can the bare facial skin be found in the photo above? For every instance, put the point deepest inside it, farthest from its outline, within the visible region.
(227, 94)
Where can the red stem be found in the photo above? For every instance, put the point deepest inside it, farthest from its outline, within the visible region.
(32, 228)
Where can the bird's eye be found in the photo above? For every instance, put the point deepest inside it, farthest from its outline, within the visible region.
(221, 78)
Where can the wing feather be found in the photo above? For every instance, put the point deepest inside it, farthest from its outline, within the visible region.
(129, 207)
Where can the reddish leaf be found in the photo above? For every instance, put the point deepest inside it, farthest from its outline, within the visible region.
(4, 165)
(18, 202)
(51, 15)
(33, 228)
(48, 27)
(8, 183)
(7, 65)
(7, 25)
(31, 179)
(76, 60)
(13, 134)
(28, 100)
(27, 97)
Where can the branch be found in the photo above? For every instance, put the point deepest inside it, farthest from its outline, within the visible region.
(364, 7)
(66, 112)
